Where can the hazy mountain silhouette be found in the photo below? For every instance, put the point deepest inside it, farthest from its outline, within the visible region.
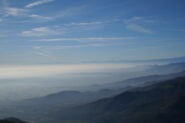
(142, 81)
(158, 103)
(12, 120)
(37, 108)
(162, 60)
(167, 68)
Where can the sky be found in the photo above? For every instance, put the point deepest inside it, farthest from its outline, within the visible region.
(83, 31)
(58, 32)
(54, 40)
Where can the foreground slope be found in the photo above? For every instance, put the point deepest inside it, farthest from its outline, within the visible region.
(11, 120)
(160, 103)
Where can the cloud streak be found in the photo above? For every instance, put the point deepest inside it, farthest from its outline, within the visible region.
(16, 12)
(134, 24)
(136, 19)
(60, 29)
(40, 18)
(84, 23)
(138, 28)
(27, 13)
(37, 3)
(23, 13)
(39, 48)
(86, 39)
(40, 31)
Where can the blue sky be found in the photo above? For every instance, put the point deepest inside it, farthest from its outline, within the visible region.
(66, 31)
(49, 45)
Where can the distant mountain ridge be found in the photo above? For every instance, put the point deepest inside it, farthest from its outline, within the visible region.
(158, 103)
(35, 107)
(159, 60)
(167, 68)
(143, 80)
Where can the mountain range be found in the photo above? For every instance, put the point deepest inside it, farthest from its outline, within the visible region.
(33, 108)
(158, 103)
(115, 102)
(159, 60)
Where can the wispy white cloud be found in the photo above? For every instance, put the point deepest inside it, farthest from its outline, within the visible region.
(61, 29)
(133, 19)
(134, 24)
(40, 18)
(91, 23)
(58, 15)
(84, 23)
(138, 28)
(136, 19)
(41, 48)
(42, 54)
(86, 39)
(40, 31)
(17, 12)
(37, 3)
(23, 13)
(39, 51)
(81, 27)
(28, 13)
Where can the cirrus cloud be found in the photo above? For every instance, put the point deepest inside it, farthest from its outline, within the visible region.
(91, 39)
(37, 3)
(40, 31)
(138, 28)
